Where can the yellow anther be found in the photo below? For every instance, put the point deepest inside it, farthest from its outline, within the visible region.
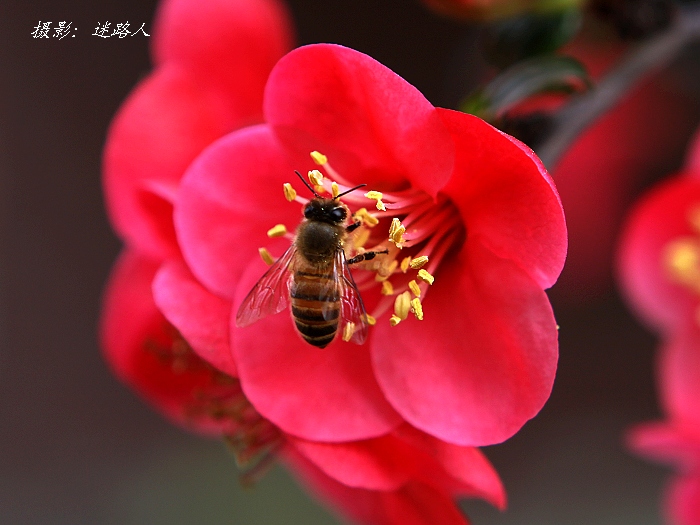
(376, 196)
(417, 308)
(395, 223)
(413, 286)
(289, 193)
(425, 277)
(396, 231)
(681, 259)
(348, 331)
(419, 262)
(319, 158)
(387, 288)
(279, 230)
(266, 256)
(316, 177)
(319, 189)
(335, 191)
(394, 320)
(370, 320)
(405, 263)
(367, 219)
(402, 305)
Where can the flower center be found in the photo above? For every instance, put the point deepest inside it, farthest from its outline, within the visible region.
(414, 230)
(681, 257)
(213, 398)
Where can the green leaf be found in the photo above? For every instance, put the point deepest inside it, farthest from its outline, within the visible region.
(530, 34)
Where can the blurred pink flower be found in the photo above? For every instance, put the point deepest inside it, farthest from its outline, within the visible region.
(659, 264)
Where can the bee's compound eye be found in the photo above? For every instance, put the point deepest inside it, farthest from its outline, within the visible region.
(338, 214)
(308, 211)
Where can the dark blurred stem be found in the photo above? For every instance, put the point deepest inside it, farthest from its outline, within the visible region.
(647, 58)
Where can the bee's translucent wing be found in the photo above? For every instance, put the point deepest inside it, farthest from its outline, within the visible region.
(270, 295)
(352, 309)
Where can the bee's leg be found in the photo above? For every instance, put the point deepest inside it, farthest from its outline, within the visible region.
(353, 226)
(367, 256)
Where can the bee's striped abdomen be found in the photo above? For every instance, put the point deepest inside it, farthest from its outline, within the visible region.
(313, 294)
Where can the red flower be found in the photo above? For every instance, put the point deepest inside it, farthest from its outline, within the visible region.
(475, 201)
(660, 273)
(201, 89)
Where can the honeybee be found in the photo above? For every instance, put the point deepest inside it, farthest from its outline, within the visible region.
(314, 275)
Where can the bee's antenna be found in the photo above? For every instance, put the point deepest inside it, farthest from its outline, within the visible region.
(348, 191)
(307, 184)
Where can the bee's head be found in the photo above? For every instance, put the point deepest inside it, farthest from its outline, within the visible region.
(325, 210)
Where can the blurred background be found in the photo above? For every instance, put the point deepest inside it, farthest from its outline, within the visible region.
(78, 447)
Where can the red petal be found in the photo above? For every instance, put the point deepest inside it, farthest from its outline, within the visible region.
(232, 44)
(345, 102)
(229, 199)
(377, 464)
(679, 376)
(506, 196)
(667, 443)
(475, 475)
(132, 330)
(165, 123)
(200, 316)
(482, 362)
(325, 394)
(659, 218)
(413, 504)
(391, 461)
(683, 500)
(418, 504)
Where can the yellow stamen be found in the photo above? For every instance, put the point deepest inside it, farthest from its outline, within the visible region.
(266, 256)
(404, 264)
(402, 305)
(316, 177)
(279, 230)
(289, 193)
(367, 219)
(681, 259)
(370, 320)
(394, 320)
(387, 288)
(417, 308)
(413, 286)
(425, 277)
(348, 331)
(397, 238)
(376, 196)
(319, 158)
(335, 191)
(419, 262)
